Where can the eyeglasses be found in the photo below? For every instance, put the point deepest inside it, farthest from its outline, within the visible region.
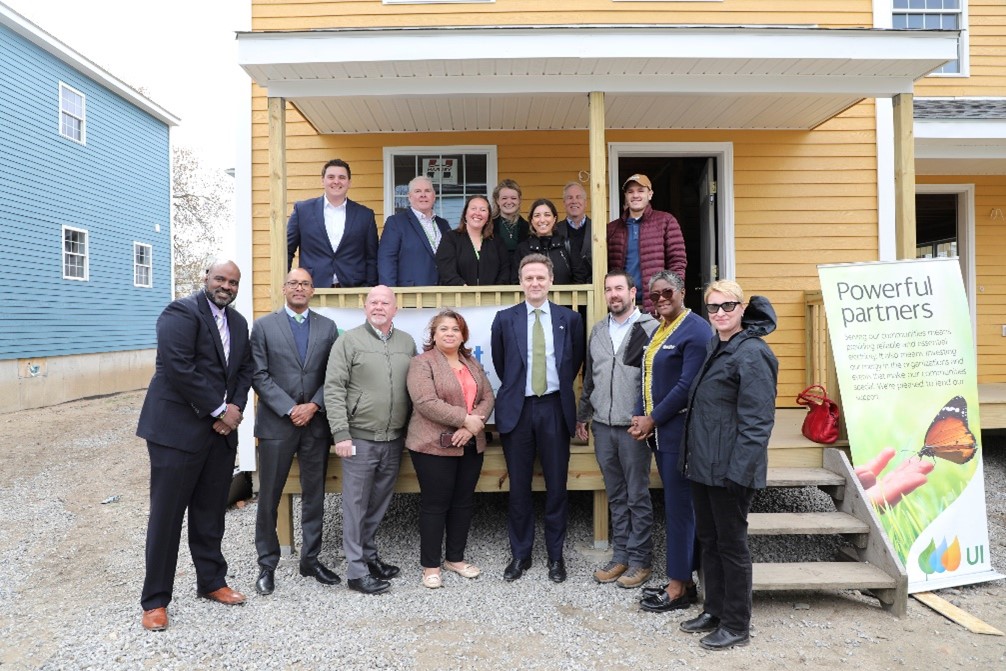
(293, 284)
(666, 294)
(729, 306)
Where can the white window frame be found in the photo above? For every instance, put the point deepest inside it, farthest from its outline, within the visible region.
(64, 253)
(149, 266)
(489, 150)
(82, 118)
(963, 48)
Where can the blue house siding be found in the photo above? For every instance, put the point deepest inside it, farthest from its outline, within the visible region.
(116, 187)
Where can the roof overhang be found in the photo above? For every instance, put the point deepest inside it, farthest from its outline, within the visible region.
(516, 78)
(43, 40)
(960, 146)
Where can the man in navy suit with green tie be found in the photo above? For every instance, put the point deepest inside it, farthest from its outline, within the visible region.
(537, 350)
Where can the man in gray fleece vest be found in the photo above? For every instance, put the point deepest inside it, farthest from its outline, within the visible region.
(368, 408)
(610, 391)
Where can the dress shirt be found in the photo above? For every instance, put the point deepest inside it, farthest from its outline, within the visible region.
(430, 227)
(218, 314)
(335, 226)
(551, 369)
(293, 315)
(619, 331)
(572, 224)
(380, 334)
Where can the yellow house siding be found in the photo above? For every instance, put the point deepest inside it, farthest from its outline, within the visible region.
(987, 35)
(990, 271)
(800, 197)
(308, 14)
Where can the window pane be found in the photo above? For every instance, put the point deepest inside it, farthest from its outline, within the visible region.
(950, 22)
(900, 21)
(915, 21)
(901, 4)
(932, 21)
(454, 176)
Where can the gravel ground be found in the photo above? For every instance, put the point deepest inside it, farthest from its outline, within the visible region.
(71, 570)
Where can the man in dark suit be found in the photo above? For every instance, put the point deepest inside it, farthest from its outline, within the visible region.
(407, 254)
(578, 241)
(337, 237)
(537, 349)
(290, 351)
(189, 419)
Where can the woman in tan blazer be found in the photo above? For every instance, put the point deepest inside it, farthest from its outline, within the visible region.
(451, 399)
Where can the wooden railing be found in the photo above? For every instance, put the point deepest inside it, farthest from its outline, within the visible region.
(572, 295)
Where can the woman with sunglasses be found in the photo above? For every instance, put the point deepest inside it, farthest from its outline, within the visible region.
(669, 363)
(731, 412)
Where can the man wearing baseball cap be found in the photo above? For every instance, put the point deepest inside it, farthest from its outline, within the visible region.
(644, 241)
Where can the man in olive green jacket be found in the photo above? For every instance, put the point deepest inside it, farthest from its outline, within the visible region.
(368, 410)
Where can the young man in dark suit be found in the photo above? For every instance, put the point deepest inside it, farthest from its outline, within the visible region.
(189, 419)
(409, 242)
(537, 350)
(290, 350)
(337, 237)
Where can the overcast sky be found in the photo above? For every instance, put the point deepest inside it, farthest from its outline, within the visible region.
(182, 52)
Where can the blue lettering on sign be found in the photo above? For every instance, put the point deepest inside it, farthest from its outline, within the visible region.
(477, 353)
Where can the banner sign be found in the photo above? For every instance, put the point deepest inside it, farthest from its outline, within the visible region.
(905, 357)
(441, 170)
(413, 321)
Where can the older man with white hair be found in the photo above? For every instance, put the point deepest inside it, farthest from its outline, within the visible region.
(406, 255)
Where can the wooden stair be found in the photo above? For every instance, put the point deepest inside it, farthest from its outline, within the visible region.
(878, 570)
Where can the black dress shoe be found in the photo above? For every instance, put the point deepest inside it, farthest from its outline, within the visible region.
(321, 573)
(515, 569)
(368, 584)
(557, 570)
(266, 582)
(661, 603)
(724, 639)
(379, 569)
(691, 591)
(701, 624)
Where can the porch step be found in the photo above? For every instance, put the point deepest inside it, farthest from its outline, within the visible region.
(820, 575)
(780, 524)
(803, 477)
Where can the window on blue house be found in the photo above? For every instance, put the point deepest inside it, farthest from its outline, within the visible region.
(72, 114)
(936, 15)
(74, 253)
(143, 265)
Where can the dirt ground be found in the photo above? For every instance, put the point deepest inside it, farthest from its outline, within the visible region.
(66, 557)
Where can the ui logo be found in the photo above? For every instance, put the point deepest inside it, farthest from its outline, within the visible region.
(943, 557)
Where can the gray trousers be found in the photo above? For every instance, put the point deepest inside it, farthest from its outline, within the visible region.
(275, 459)
(625, 466)
(368, 480)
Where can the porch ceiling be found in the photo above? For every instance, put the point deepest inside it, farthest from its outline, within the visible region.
(457, 79)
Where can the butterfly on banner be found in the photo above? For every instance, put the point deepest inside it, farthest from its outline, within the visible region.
(948, 436)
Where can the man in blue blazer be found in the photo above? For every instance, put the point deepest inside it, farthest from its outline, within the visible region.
(189, 419)
(337, 237)
(537, 349)
(407, 254)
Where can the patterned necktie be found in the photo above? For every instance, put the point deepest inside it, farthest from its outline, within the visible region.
(225, 336)
(298, 318)
(538, 380)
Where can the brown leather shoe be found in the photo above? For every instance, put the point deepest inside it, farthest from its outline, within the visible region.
(226, 596)
(609, 572)
(155, 619)
(634, 577)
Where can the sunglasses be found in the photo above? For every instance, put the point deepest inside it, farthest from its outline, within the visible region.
(729, 306)
(666, 294)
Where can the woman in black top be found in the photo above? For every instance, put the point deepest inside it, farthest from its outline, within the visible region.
(548, 239)
(471, 254)
(511, 228)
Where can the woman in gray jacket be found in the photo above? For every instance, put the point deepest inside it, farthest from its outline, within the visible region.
(731, 411)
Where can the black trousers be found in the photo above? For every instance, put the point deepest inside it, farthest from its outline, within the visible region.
(199, 482)
(275, 459)
(721, 524)
(541, 431)
(447, 502)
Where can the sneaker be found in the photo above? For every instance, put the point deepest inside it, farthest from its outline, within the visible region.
(634, 577)
(609, 572)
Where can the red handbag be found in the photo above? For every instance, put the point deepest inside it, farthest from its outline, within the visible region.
(821, 422)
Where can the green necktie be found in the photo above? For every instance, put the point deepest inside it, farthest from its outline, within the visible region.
(539, 382)
(299, 318)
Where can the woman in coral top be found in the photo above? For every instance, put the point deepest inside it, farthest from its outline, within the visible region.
(451, 398)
